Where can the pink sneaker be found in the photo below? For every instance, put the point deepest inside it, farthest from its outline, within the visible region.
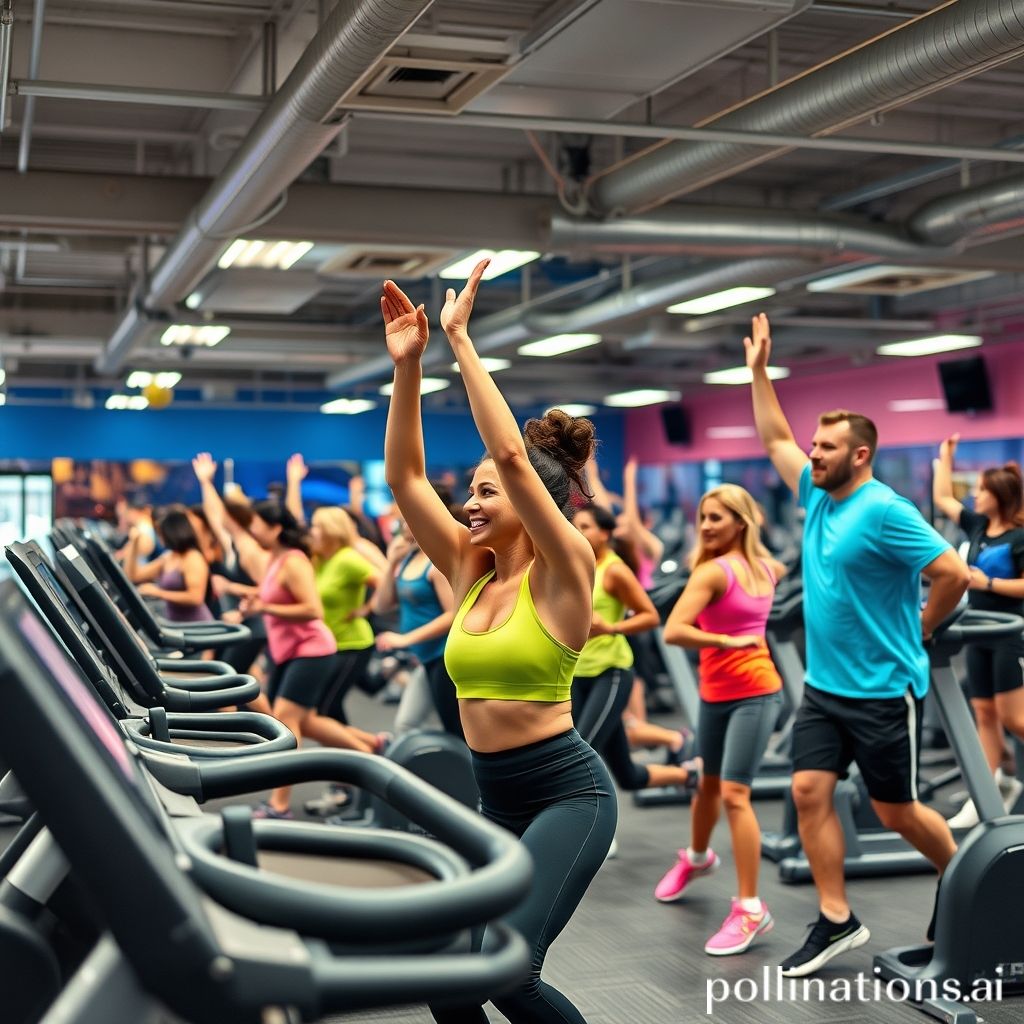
(739, 930)
(671, 887)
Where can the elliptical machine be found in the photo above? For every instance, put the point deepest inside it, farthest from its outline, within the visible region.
(978, 937)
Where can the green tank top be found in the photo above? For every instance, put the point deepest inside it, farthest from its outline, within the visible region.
(518, 660)
(609, 651)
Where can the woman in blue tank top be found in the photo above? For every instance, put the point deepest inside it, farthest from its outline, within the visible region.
(425, 612)
(522, 577)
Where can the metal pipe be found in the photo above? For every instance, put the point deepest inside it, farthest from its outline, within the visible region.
(746, 230)
(6, 29)
(864, 10)
(768, 139)
(944, 46)
(192, 8)
(300, 121)
(130, 94)
(29, 116)
(967, 212)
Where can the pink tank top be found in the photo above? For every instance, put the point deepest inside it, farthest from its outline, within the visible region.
(737, 613)
(286, 638)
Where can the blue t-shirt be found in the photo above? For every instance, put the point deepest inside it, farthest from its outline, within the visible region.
(862, 560)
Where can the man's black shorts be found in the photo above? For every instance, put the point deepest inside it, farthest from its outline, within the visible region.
(883, 735)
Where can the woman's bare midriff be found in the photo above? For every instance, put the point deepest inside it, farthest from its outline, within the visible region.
(494, 725)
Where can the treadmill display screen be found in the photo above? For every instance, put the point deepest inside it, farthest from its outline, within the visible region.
(43, 571)
(94, 717)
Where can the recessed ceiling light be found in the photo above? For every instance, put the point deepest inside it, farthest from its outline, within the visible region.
(348, 406)
(720, 300)
(929, 346)
(742, 375)
(917, 405)
(427, 385)
(502, 261)
(576, 409)
(490, 364)
(559, 344)
(729, 433)
(134, 402)
(641, 396)
(279, 255)
(206, 335)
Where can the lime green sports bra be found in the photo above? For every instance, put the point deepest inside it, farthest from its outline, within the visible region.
(518, 660)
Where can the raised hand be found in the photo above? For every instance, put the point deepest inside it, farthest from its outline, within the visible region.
(458, 309)
(204, 467)
(405, 325)
(759, 345)
(947, 450)
(296, 468)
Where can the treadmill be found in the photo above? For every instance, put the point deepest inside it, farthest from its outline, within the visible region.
(230, 921)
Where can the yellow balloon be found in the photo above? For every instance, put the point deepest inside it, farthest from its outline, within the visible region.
(158, 397)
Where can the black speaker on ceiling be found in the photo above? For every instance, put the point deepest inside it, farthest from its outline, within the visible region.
(676, 421)
(965, 385)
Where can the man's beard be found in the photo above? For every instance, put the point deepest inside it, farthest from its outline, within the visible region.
(837, 477)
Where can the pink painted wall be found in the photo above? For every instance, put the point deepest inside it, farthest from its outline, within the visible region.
(867, 390)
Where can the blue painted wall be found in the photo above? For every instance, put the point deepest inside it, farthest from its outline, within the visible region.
(42, 432)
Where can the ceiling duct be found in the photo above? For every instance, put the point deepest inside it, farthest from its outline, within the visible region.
(962, 213)
(296, 126)
(947, 45)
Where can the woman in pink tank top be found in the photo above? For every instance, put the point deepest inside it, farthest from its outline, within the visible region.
(303, 649)
(722, 613)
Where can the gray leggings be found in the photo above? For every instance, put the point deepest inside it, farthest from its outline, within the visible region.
(732, 735)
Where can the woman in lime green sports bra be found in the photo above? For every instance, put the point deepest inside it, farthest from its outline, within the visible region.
(522, 576)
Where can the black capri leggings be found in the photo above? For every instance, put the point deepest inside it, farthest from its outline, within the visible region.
(557, 797)
(597, 706)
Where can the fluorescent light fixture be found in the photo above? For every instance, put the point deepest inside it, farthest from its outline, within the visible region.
(427, 385)
(742, 375)
(134, 402)
(138, 379)
(559, 344)
(930, 346)
(728, 433)
(3, 376)
(917, 405)
(491, 364)
(576, 409)
(244, 252)
(3, 398)
(348, 406)
(642, 396)
(194, 300)
(502, 261)
(206, 335)
(720, 300)
(167, 379)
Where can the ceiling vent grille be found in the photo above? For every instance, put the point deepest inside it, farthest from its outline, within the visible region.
(895, 280)
(430, 74)
(380, 261)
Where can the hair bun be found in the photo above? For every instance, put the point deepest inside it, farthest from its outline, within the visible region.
(569, 439)
(1014, 468)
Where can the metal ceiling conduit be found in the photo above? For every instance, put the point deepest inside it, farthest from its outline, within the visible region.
(294, 129)
(516, 326)
(29, 115)
(955, 216)
(950, 44)
(740, 229)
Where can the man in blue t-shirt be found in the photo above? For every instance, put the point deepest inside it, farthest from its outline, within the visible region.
(864, 550)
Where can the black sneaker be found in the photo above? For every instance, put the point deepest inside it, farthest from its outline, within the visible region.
(826, 940)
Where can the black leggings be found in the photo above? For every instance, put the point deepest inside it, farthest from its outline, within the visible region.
(557, 797)
(597, 706)
(351, 668)
(442, 690)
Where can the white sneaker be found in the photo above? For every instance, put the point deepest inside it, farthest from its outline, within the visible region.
(1009, 786)
(966, 817)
